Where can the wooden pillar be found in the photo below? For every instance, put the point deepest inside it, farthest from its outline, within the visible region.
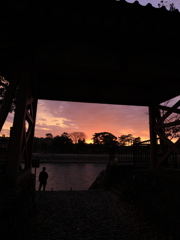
(22, 133)
(33, 109)
(153, 138)
(157, 125)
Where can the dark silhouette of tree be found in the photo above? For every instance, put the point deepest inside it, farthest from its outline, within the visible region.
(4, 84)
(62, 144)
(104, 138)
(81, 146)
(126, 140)
(169, 6)
(48, 142)
(49, 136)
(136, 141)
(76, 136)
(83, 141)
(103, 141)
(39, 145)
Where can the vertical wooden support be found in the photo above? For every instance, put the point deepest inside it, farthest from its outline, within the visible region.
(153, 138)
(32, 108)
(158, 124)
(22, 133)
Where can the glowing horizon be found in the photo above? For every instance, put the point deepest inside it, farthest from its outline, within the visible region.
(57, 117)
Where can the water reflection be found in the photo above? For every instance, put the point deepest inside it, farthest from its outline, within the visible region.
(63, 176)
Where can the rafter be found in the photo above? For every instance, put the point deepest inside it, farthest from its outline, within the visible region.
(168, 108)
(177, 122)
(171, 110)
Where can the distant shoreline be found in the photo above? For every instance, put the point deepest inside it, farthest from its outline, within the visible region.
(94, 162)
(71, 158)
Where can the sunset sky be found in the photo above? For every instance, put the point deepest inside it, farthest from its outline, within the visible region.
(58, 117)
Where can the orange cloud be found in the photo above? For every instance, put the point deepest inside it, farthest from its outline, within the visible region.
(58, 117)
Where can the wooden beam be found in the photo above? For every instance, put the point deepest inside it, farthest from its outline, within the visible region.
(17, 135)
(162, 144)
(24, 151)
(167, 154)
(177, 122)
(171, 110)
(168, 108)
(165, 139)
(153, 138)
(25, 142)
(30, 100)
(29, 118)
(31, 133)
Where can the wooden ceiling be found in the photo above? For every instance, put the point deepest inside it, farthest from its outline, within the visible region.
(117, 53)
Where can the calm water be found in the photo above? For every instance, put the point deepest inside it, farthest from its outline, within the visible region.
(63, 176)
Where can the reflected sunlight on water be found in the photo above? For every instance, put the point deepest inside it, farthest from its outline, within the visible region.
(63, 176)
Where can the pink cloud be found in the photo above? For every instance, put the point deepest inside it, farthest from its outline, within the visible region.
(91, 118)
(58, 117)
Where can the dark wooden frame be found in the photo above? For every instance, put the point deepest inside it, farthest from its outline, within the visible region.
(156, 122)
(22, 132)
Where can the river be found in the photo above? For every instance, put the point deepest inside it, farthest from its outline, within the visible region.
(66, 176)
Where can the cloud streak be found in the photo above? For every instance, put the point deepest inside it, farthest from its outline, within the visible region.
(57, 117)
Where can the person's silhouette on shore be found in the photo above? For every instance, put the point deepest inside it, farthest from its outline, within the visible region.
(43, 176)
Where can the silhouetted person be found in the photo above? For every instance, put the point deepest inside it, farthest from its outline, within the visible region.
(43, 176)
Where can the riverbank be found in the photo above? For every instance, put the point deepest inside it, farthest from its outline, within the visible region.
(71, 158)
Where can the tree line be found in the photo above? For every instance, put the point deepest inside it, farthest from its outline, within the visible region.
(76, 143)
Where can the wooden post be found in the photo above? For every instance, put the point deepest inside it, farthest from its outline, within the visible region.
(153, 138)
(158, 124)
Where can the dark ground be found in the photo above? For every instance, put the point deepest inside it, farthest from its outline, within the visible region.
(92, 214)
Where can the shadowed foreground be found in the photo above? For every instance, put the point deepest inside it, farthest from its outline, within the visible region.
(93, 214)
